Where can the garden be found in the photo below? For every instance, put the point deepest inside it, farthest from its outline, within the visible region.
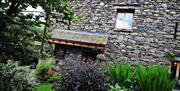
(27, 61)
(81, 76)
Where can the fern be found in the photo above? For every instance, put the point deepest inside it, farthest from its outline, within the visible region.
(154, 78)
(121, 74)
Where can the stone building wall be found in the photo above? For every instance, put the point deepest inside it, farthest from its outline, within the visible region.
(153, 27)
(76, 53)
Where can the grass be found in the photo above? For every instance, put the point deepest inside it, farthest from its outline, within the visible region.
(45, 87)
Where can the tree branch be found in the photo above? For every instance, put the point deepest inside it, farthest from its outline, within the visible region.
(13, 7)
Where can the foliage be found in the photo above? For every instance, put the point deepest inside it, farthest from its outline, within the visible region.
(16, 78)
(117, 88)
(19, 31)
(63, 11)
(45, 87)
(54, 77)
(101, 57)
(82, 78)
(44, 71)
(17, 39)
(121, 74)
(154, 78)
(44, 65)
(170, 56)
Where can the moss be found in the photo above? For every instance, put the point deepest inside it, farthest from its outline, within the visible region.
(101, 40)
(89, 38)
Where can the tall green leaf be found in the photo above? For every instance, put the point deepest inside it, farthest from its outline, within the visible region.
(154, 78)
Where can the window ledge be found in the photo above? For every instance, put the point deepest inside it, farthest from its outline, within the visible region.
(123, 30)
(126, 4)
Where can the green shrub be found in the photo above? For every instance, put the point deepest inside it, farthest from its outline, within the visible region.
(16, 78)
(44, 65)
(54, 77)
(170, 56)
(44, 71)
(154, 78)
(121, 74)
(117, 88)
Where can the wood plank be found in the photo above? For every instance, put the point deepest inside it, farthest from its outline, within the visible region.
(178, 21)
(80, 44)
(177, 70)
(175, 32)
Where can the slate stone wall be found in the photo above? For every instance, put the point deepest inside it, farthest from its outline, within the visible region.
(65, 52)
(153, 28)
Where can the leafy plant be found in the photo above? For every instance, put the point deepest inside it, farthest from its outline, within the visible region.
(101, 57)
(20, 30)
(16, 78)
(45, 87)
(54, 77)
(82, 78)
(44, 65)
(171, 56)
(121, 74)
(117, 88)
(44, 71)
(154, 78)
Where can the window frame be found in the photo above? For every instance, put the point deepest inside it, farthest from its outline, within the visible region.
(126, 11)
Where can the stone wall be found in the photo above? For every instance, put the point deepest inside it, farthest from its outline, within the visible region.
(66, 52)
(153, 28)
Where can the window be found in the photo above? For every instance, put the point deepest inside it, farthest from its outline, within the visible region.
(124, 19)
(177, 29)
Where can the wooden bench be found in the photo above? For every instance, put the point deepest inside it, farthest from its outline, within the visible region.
(177, 62)
(176, 28)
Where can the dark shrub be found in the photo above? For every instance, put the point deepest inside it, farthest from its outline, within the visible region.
(82, 78)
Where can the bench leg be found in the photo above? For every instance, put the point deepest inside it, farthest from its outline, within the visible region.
(177, 70)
